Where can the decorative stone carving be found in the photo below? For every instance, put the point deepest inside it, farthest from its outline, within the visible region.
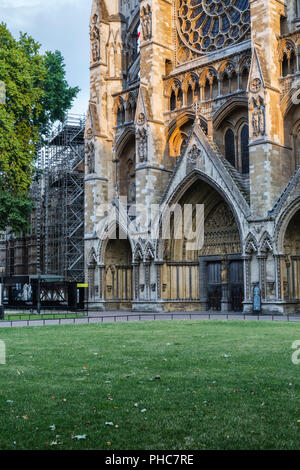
(258, 117)
(146, 22)
(194, 154)
(90, 157)
(95, 40)
(142, 144)
(255, 85)
(141, 119)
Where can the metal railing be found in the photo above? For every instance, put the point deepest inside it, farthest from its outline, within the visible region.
(80, 317)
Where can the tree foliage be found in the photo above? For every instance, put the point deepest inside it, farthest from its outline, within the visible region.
(37, 94)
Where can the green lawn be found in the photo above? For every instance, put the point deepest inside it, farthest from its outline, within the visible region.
(222, 385)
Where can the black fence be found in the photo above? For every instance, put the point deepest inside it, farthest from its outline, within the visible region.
(84, 317)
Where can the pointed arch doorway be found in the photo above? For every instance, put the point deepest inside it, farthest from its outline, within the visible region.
(214, 275)
(117, 279)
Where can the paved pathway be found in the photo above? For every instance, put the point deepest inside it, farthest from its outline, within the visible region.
(121, 316)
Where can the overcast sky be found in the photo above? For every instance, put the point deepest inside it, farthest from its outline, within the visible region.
(56, 24)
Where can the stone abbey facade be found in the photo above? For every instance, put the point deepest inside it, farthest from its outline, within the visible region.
(194, 102)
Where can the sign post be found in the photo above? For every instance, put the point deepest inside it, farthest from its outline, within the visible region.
(256, 299)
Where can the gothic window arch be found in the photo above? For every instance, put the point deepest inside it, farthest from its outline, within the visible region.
(230, 146)
(173, 101)
(225, 84)
(288, 60)
(190, 95)
(234, 82)
(244, 78)
(244, 148)
(120, 114)
(197, 91)
(179, 98)
(285, 65)
(207, 94)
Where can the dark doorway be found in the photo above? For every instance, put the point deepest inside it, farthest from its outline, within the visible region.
(214, 285)
(236, 285)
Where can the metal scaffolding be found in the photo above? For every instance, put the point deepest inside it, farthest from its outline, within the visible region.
(62, 192)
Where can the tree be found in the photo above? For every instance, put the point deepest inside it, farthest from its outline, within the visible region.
(37, 94)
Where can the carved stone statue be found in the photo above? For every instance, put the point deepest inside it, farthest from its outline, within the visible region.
(95, 40)
(90, 157)
(142, 144)
(146, 22)
(258, 117)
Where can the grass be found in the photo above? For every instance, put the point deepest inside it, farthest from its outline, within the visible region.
(222, 385)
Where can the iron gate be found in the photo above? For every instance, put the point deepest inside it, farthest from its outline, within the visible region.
(214, 285)
(236, 285)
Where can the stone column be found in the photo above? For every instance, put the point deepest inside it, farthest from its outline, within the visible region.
(262, 276)
(158, 278)
(101, 268)
(278, 280)
(136, 282)
(147, 280)
(247, 278)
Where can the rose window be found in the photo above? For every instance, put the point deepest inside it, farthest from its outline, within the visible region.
(209, 25)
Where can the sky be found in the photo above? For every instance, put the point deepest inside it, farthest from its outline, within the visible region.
(57, 25)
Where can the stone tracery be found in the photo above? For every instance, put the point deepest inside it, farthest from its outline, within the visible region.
(209, 25)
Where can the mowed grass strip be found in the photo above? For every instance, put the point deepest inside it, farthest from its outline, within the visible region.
(161, 385)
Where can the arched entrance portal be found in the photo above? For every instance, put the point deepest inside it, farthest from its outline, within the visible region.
(291, 278)
(117, 273)
(212, 276)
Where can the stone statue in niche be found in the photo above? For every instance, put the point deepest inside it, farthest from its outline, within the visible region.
(142, 144)
(146, 22)
(258, 117)
(95, 40)
(131, 188)
(90, 157)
